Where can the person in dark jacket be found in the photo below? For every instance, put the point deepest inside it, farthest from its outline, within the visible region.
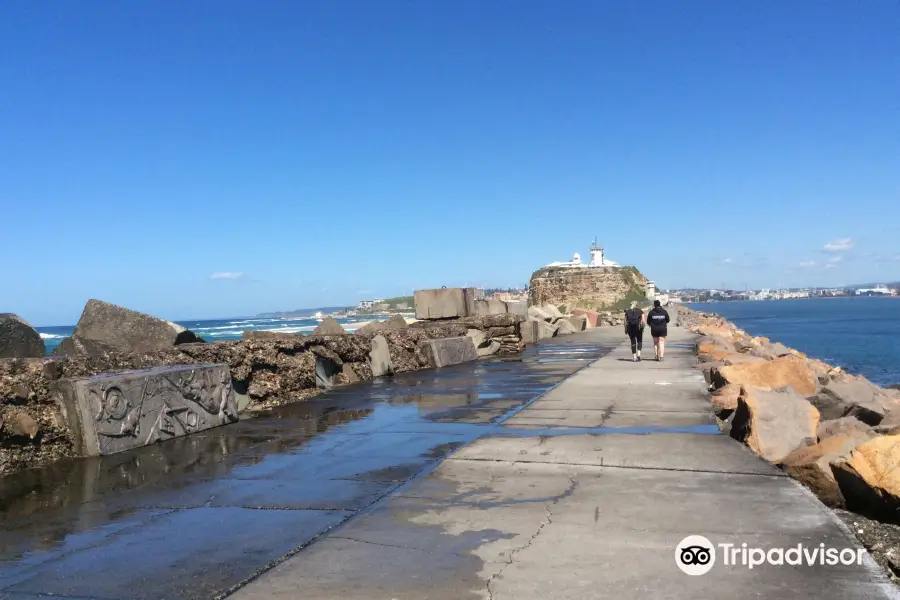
(658, 320)
(634, 329)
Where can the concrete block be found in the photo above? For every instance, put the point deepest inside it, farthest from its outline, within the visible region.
(579, 323)
(484, 308)
(517, 308)
(326, 369)
(113, 412)
(528, 330)
(546, 330)
(564, 327)
(449, 351)
(593, 317)
(380, 357)
(447, 303)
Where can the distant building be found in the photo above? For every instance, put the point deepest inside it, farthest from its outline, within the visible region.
(878, 290)
(597, 259)
(368, 304)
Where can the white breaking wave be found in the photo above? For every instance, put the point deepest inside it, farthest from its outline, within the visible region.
(50, 336)
(290, 329)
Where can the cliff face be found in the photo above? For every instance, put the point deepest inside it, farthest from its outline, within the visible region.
(595, 288)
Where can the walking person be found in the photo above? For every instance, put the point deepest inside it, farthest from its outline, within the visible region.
(634, 328)
(658, 319)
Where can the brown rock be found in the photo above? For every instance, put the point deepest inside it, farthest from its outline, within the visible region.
(396, 322)
(774, 423)
(787, 371)
(845, 426)
(17, 422)
(18, 339)
(720, 331)
(725, 399)
(810, 465)
(121, 329)
(329, 326)
(869, 478)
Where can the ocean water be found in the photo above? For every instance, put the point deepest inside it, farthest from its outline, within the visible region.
(224, 329)
(861, 335)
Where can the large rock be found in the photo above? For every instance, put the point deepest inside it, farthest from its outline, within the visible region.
(811, 466)
(597, 288)
(845, 426)
(769, 350)
(124, 330)
(449, 351)
(396, 322)
(113, 412)
(869, 478)
(846, 395)
(788, 371)
(329, 326)
(725, 400)
(484, 345)
(18, 339)
(16, 422)
(380, 357)
(446, 303)
(774, 423)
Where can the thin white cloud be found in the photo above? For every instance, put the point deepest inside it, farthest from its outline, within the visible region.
(226, 275)
(807, 264)
(835, 260)
(840, 245)
(727, 261)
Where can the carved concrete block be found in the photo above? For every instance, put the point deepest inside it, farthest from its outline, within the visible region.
(113, 412)
(449, 351)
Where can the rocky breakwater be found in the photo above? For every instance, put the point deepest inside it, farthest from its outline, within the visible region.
(836, 433)
(265, 369)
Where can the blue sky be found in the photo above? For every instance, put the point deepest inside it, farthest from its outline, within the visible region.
(210, 159)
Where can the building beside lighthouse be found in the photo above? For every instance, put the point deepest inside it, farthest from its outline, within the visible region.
(598, 259)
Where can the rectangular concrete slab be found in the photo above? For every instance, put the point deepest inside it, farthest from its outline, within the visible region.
(446, 352)
(664, 451)
(113, 412)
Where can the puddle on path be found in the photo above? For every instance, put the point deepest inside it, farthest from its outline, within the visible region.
(298, 468)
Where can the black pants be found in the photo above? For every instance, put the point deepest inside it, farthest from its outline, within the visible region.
(636, 335)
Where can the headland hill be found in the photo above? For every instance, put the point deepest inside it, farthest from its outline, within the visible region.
(124, 379)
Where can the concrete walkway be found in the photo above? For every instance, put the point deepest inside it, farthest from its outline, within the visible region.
(585, 493)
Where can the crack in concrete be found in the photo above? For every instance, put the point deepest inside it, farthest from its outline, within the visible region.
(638, 468)
(548, 520)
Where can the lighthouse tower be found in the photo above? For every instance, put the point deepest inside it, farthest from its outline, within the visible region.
(597, 255)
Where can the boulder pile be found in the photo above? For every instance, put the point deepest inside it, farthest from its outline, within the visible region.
(837, 433)
(267, 368)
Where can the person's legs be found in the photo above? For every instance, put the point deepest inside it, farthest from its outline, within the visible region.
(662, 347)
(633, 337)
(656, 341)
(640, 342)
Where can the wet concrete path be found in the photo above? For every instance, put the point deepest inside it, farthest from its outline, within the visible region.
(199, 516)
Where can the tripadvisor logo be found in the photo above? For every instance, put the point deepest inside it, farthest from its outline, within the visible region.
(696, 555)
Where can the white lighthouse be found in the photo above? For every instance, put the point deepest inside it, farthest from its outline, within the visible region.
(596, 255)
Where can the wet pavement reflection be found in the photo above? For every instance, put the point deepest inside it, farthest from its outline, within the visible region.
(197, 516)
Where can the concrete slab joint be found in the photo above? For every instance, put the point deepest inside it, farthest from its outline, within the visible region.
(114, 412)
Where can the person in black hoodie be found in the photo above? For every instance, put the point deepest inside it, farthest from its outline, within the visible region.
(658, 320)
(634, 328)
